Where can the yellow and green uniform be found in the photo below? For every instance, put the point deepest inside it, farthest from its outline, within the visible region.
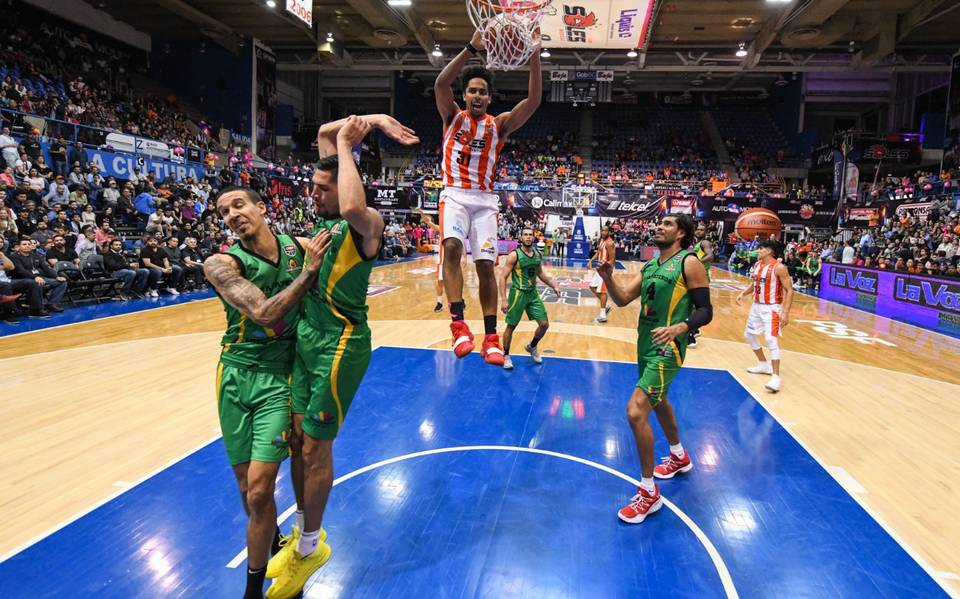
(701, 256)
(524, 297)
(812, 264)
(333, 339)
(253, 376)
(664, 302)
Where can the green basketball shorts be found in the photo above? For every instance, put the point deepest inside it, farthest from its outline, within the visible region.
(521, 302)
(254, 409)
(328, 369)
(658, 366)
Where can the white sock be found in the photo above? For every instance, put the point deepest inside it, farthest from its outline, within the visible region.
(764, 363)
(603, 312)
(308, 543)
(300, 520)
(677, 450)
(647, 485)
(439, 299)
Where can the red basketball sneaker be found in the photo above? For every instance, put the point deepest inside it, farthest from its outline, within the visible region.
(641, 505)
(672, 465)
(491, 351)
(462, 338)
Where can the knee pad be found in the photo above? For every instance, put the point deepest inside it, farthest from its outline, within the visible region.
(753, 340)
(773, 344)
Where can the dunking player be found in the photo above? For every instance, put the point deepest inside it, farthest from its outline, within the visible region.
(772, 298)
(523, 266)
(675, 299)
(704, 251)
(606, 254)
(333, 338)
(472, 140)
(260, 281)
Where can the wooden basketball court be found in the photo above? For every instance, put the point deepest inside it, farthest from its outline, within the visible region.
(90, 409)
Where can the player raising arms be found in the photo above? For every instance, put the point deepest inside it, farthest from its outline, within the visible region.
(675, 299)
(472, 140)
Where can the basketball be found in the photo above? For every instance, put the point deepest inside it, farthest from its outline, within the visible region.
(758, 221)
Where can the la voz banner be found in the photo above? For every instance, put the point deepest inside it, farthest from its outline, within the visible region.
(927, 301)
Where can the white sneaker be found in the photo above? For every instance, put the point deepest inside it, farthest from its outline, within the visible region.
(534, 353)
(172, 291)
(507, 363)
(762, 368)
(601, 318)
(773, 384)
(153, 293)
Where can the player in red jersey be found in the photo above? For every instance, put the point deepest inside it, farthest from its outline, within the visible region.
(472, 140)
(772, 292)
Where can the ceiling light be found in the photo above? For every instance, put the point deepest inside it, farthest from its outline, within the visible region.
(632, 53)
(437, 51)
(271, 3)
(742, 50)
(544, 53)
(399, 2)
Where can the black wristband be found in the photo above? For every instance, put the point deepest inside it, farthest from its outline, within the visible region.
(469, 48)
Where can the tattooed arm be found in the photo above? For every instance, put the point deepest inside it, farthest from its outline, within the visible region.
(224, 274)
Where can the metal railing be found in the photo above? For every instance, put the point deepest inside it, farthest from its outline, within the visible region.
(21, 123)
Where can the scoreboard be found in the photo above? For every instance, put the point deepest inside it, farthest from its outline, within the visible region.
(582, 86)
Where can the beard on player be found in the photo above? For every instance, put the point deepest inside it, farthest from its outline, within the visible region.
(526, 238)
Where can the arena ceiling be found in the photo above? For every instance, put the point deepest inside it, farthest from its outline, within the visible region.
(688, 39)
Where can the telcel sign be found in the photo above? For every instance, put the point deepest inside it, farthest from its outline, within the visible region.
(302, 9)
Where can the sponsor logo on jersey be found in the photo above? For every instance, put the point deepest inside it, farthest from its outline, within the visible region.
(290, 249)
(293, 266)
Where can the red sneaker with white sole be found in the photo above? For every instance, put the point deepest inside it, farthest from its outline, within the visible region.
(641, 505)
(672, 465)
(492, 351)
(462, 338)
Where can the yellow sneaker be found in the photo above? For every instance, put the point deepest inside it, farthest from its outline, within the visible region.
(288, 543)
(298, 570)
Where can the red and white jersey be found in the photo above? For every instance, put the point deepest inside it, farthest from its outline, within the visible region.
(766, 285)
(470, 150)
(602, 254)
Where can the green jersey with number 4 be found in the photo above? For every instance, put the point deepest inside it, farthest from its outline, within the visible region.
(664, 302)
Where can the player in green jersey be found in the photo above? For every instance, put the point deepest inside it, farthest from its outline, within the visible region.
(675, 299)
(703, 248)
(260, 281)
(523, 267)
(333, 338)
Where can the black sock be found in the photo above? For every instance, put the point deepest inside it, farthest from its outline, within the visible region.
(255, 580)
(490, 325)
(535, 341)
(275, 547)
(456, 311)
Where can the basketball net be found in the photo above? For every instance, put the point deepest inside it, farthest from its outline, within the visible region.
(507, 28)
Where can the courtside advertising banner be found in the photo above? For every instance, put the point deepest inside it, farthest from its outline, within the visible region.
(596, 23)
(926, 301)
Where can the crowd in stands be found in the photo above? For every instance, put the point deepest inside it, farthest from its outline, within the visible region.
(67, 75)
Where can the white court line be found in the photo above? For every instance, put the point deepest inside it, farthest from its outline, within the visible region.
(718, 563)
(846, 480)
(893, 535)
(107, 499)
